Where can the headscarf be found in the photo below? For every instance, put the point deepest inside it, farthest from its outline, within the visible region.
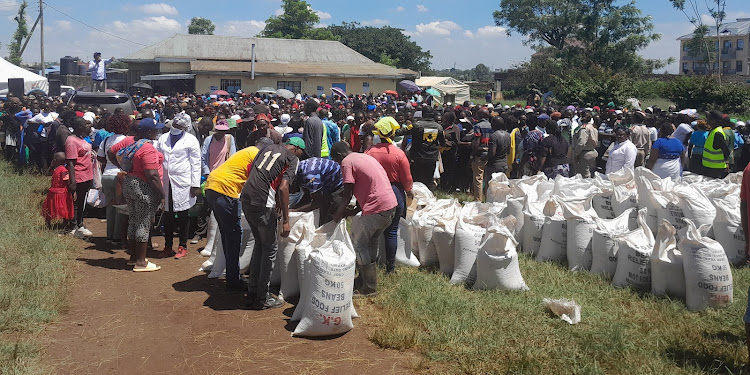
(386, 128)
(182, 119)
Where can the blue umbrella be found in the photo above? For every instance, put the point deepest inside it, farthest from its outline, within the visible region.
(409, 85)
(433, 92)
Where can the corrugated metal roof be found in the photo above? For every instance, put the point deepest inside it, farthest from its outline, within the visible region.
(216, 47)
(296, 69)
(741, 27)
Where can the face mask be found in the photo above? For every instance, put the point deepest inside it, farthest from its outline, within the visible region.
(175, 131)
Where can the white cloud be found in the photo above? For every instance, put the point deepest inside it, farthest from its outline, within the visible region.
(146, 31)
(62, 26)
(278, 12)
(491, 31)
(729, 18)
(374, 22)
(323, 15)
(400, 9)
(421, 8)
(240, 28)
(9, 5)
(159, 8)
(440, 28)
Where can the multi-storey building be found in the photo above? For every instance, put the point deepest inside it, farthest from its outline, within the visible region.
(733, 43)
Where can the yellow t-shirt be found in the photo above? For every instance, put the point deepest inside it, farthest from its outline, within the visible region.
(230, 176)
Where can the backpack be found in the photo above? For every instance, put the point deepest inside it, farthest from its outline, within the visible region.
(126, 155)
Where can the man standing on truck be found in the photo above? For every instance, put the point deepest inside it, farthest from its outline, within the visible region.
(98, 69)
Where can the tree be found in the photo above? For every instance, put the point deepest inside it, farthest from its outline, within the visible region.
(482, 72)
(297, 22)
(22, 31)
(201, 26)
(583, 33)
(375, 42)
(699, 45)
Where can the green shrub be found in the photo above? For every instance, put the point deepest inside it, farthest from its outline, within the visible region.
(647, 89)
(704, 93)
(591, 88)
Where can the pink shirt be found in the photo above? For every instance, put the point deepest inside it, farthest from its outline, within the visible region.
(79, 150)
(372, 189)
(217, 153)
(394, 162)
(147, 157)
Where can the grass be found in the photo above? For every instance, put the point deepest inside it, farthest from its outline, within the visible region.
(34, 271)
(460, 331)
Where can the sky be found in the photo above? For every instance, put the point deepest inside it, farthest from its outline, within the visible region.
(460, 34)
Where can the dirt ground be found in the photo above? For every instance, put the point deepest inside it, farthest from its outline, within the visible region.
(176, 320)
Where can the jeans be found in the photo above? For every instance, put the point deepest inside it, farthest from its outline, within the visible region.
(366, 238)
(178, 219)
(263, 223)
(391, 233)
(82, 189)
(114, 219)
(228, 214)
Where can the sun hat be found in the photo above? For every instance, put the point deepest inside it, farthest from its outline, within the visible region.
(386, 127)
(296, 141)
(222, 125)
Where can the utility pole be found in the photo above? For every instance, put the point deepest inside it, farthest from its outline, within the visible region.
(41, 35)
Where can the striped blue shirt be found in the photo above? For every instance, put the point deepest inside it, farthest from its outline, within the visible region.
(319, 175)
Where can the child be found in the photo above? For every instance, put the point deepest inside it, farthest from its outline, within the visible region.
(59, 202)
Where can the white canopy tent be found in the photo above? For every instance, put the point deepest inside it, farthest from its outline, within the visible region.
(452, 90)
(31, 81)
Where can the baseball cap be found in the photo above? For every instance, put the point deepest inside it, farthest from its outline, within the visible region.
(149, 124)
(296, 141)
(285, 118)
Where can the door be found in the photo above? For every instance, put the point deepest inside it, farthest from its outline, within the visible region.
(340, 86)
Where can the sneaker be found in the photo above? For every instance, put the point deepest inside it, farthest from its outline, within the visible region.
(81, 233)
(205, 252)
(270, 302)
(195, 239)
(181, 252)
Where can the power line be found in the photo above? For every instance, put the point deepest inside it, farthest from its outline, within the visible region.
(97, 29)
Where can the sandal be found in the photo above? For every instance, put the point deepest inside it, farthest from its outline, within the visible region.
(149, 267)
(132, 262)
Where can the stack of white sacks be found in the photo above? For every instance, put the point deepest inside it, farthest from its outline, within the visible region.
(631, 227)
(639, 231)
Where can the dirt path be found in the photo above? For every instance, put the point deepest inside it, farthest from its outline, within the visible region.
(176, 320)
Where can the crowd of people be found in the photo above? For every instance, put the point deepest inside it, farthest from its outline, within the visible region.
(181, 157)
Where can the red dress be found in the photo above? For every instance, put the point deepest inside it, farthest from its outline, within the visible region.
(59, 202)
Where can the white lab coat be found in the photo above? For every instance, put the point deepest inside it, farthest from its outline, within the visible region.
(182, 169)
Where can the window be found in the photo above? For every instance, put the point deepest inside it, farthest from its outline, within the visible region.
(366, 87)
(726, 65)
(293, 86)
(738, 69)
(231, 85)
(727, 44)
(685, 67)
(740, 44)
(684, 47)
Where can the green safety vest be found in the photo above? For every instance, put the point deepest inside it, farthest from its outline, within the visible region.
(324, 152)
(714, 158)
